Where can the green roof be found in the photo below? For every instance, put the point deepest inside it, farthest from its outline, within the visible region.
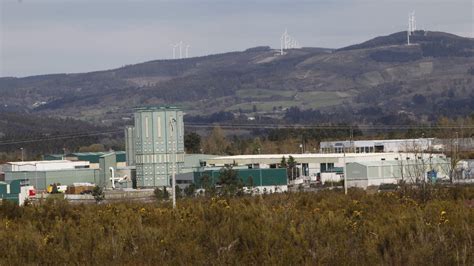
(52, 157)
(92, 157)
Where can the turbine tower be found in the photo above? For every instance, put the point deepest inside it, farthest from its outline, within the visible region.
(287, 42)
(182, 47)
(187, 50)
(411, 26)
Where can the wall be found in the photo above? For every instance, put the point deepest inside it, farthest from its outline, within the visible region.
(106, 161)
(260, 177)
(42, 179)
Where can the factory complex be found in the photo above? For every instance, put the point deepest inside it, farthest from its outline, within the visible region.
(155, 153)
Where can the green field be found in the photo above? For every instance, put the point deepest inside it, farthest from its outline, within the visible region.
(304, 100)
(433, 227)
(263, 93)
(262, 106)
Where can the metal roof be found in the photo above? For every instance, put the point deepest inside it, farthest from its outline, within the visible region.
(400, 162)
(298, 156)
(93, 157)
(39, 162)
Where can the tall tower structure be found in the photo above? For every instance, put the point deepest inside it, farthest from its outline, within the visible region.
(130, 145)
(159, 145)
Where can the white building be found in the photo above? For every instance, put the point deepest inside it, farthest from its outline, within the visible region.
(32, 166)
(311, 166)
(370, 146)
(375, 173)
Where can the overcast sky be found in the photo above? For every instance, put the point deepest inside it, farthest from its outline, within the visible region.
(66, 36)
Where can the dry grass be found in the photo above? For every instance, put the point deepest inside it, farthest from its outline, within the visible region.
(281, 229)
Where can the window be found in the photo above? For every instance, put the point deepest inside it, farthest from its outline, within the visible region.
(146, 127)
(158, 126)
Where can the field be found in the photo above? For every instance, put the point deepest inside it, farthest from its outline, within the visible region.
(395, 228)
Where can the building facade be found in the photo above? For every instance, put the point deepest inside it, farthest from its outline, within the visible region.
(130, 145)
(371, 146)
(158, 145)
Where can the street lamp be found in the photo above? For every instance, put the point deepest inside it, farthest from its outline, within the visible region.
(21, 154)
(173, 161)
(345, 172)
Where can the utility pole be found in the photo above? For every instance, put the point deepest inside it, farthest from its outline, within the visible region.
(345, 171)
(173, 162)
(422, 158)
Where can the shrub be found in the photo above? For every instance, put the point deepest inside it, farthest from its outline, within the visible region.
(327, 227)
(161, 194)
(98, 194)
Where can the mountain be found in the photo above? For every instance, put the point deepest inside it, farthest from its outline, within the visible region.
(368, 82)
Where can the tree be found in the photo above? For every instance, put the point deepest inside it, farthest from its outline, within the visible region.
(190, 190)
(92, 148)
(451, 141)
(161, 194)
(192, 142)
(229, 181)
(291, 166)
(216, 142)
(207, 185)
(98, 194)
(283, 163)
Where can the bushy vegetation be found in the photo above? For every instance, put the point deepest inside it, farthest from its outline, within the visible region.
(294, 228)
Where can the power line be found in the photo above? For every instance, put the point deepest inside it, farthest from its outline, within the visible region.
(299, 126)
(250, 127)
(8, 142)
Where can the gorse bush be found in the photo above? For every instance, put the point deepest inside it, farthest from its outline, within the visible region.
(283, 229)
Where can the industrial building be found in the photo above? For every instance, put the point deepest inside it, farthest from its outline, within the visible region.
(43, 178)
(155, 145)
(316, 167)
(268, 180)
(41, 174)
(91, 157)
(43, 166)
(364, 174)
(371, 146)
(16, 191)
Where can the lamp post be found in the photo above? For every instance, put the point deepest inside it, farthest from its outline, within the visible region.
(345, 171)
(173, 161)
(21, 154)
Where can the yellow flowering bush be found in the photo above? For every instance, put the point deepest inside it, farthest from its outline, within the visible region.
(327, 227)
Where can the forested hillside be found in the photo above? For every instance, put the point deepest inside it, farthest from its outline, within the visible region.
(380, 77)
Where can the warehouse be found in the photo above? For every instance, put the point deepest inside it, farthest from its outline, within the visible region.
(41, 174)
(41, 179)
(370, 146)
(91, 157)
(309, 165)
(268, 180)
(375, 173)
(43, 165)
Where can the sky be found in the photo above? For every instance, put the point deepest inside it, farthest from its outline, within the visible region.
(69, 36)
